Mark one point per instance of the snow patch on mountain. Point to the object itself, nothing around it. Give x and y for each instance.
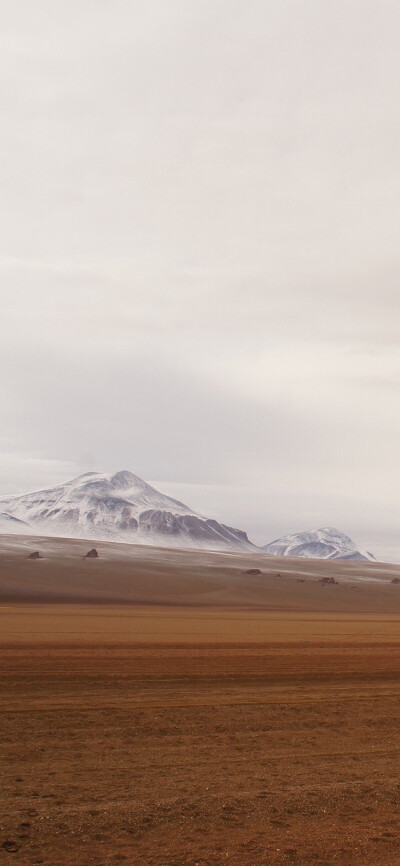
(11, 525)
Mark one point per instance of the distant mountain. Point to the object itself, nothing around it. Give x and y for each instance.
(325, 543)
(121, 507)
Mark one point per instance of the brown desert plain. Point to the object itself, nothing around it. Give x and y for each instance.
(165, 708)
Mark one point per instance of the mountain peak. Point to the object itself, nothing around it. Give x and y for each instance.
(124, 478)
(332, 531)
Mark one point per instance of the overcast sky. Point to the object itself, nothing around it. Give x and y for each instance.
(200, 258)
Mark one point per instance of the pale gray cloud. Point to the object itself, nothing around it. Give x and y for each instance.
(199, 261)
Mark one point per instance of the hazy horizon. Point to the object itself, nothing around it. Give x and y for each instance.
(200, 256)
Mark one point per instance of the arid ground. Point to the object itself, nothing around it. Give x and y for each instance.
(169, 709)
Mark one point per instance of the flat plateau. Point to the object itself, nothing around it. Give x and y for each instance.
(175, 732)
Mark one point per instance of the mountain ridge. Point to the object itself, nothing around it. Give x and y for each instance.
(122, 507)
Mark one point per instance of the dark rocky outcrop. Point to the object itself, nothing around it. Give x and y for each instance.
(189, 528)
(35, 555)
(91, 554)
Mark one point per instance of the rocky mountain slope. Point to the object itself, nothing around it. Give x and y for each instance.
(121, 507)
(325, 543)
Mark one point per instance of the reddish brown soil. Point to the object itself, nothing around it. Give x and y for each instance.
(281, 751)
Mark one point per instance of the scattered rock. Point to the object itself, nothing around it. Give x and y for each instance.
(10, 846)
(35, 555)
(91, 554)
(395, 580)
(253, 571)
(326, 580)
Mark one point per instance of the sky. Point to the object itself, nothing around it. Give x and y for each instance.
(199, 255)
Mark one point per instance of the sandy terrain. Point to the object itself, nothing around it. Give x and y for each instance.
(182, 734)
(136, 574)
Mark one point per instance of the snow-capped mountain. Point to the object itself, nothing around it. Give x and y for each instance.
(121, 507)
(325, 543)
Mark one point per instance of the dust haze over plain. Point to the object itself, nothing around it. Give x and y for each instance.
(200, 261)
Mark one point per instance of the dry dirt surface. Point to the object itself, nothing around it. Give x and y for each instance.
(260, 729)
(137, 575)
(181, 752)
